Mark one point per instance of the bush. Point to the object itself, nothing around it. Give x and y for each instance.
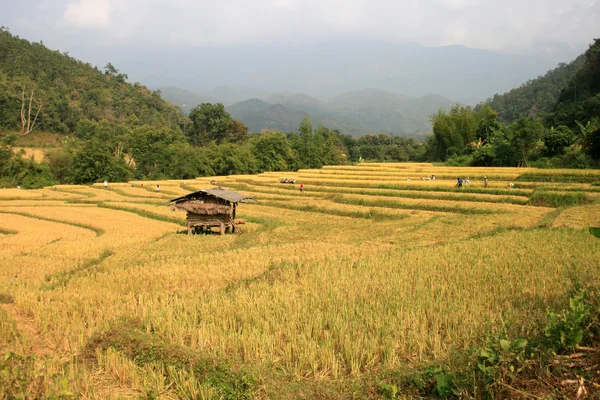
(459, 161)
(557, 199)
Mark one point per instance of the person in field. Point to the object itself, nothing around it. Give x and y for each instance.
(302, 187)
(433, 177)
(158, 188)
(511, 185)
(485, 182)
(106, 184)
(467, 181)
(459, 182)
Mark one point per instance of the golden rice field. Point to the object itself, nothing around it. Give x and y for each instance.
(369, 272)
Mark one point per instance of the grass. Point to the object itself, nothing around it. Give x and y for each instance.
(143, 213)
(364, 286)
(61, 278)
(98, 231)
(558, 199)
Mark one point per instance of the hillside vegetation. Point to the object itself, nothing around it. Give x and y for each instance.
(68, 92)
(557, 125)
(537, 96)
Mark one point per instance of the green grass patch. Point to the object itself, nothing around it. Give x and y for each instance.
(190, 188)
(98, 231)
(562, 178)
(131, 340)
(371, 214)
(63, 277)
(406, 206)
(409, 194)
(266, 224)
(396, 186)
(144, 213)
(542, 198)
(549, 218)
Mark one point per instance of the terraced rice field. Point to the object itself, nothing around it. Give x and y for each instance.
(324, 294)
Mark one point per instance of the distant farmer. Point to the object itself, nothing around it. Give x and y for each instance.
(302, 187)
(433, 177)
(459, 183)
(467, 181)
(106, 184)
(511, 185)
(485, 182)
(158, 188)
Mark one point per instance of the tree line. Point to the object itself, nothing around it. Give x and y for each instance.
(566, 134)
(119, 131)
(212, 143)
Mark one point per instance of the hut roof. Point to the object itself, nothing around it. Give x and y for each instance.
(218, 192)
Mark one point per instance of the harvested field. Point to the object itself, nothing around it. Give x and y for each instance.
(328, 293)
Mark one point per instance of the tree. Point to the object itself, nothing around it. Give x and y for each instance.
(96, 162)
(524, 136)
(209, 122)
(556, 140)
(487, 121)
(452, 131)
(27, 125)
(60, 162)
(273, 152)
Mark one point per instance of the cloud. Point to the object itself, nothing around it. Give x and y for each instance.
(88, 13)
(486, 24)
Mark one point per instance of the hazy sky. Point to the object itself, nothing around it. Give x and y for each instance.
(486, 24)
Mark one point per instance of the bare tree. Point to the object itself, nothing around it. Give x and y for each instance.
(27, 125)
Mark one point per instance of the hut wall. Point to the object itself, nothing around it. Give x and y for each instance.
(200, 219)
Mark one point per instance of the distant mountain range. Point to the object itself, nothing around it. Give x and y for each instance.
(355, 112)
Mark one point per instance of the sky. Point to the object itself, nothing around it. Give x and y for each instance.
(492, 25)
(139, 33)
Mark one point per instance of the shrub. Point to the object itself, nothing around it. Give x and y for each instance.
(557, 199)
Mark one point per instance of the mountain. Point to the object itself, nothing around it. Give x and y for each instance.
(329, 68)
(537, 96)
(258, 115)
(185, 99)
(579, 99)
(356, 113)
(66, 91)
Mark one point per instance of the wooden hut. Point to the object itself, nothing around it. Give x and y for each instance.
(209, 208)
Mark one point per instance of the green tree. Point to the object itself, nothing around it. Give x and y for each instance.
(60, 162)
(273, 152)
(452, 132)
(96, 162)
(556, 140)
(524, 137)
(230, 158)
(209, 122)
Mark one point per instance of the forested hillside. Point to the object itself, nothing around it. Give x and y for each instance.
(579, 100)
(62, 92)
(537, 96)
(565, 133)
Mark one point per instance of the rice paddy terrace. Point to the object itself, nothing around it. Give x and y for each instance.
(367, 274)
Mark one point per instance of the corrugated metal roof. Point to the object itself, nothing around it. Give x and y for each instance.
(218, 192)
